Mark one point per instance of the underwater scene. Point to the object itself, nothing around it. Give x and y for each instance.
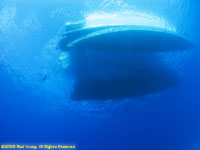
(100, 74)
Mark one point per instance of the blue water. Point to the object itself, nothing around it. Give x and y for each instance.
(35, 84)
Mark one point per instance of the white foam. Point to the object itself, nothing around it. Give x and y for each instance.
(127, 18)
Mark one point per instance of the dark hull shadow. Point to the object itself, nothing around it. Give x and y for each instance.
(105, 76)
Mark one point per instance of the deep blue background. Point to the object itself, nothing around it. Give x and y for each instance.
(34, 87)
